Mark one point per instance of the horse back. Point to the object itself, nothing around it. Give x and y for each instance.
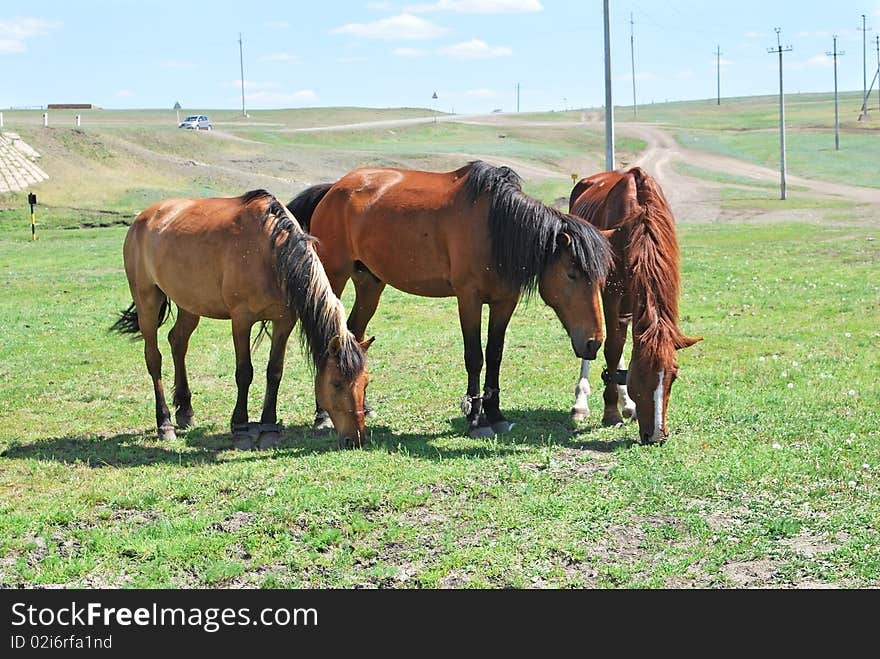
(210, 256)
(412, 229)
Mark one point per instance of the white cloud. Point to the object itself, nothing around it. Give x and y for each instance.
(409, 52)
(11, 46)
(474, 49)
(279, 57)
(125, 93)
(275, 99)
(380, 6)
(404, 26)
(684, 75)
(278, 25)
(350, 59)
(14, 33)
(481, 6)
(481, 93)
(817, 62)
(754, 35)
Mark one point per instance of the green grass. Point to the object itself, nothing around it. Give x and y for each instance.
(756, 473)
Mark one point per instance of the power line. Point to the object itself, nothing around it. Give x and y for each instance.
(718, 70)
(836, 53)
(779, 49)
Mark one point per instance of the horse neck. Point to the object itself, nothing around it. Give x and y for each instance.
(307, 291)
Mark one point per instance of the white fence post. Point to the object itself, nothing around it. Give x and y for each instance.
(77, 121)
(45, 118)
(1, 120)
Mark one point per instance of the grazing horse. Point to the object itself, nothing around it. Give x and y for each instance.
(471, 234)
(243, 259)
(643, 289)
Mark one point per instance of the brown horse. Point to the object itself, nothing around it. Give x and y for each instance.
(471, 234)
(642, 288)
(244, 259)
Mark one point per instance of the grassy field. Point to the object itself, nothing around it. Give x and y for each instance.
(770, 477)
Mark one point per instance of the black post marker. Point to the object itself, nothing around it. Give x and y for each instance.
(32, 200)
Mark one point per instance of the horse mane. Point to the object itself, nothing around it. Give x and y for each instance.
(654, 281)
(302, 206)
(524, 231)
(306, 287)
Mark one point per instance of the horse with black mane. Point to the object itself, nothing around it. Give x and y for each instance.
(246, 260)
(472, 234)
(642, 288)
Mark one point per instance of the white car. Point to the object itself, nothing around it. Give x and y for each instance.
(196, 122)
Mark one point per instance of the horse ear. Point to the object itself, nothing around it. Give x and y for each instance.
(366, 344)
(563, 240)
(608, 233)
(688, 341)
(334, 347)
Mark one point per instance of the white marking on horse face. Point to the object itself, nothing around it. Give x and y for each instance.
(658, 407)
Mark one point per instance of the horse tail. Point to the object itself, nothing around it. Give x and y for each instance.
(303, 205)
(127, 323)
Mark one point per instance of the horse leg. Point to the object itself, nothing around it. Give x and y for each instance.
(148, 305)
(499, 318)
(270, 431)
(178, 337)
(367, 291)
(470, 317)
(243, 434)
(615, 337)
(581, 408)
(627, 403)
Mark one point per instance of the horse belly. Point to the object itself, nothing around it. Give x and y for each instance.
(415, 269)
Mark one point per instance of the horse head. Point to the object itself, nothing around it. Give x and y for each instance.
(340, 387)
(652, 370)
(571, 284)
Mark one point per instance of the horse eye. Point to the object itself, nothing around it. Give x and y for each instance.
(337, 385)
(572, 274)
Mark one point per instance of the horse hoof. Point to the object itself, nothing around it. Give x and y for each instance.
(612, 421)
(243, 442)
(481, 432)
(167, 434)
(183, 420)
(501, 427)
(629, 412)
(579, 413)
(271, 439)
(322, 422)
(270, 435)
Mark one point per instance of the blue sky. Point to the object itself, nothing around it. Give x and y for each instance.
(472, 53)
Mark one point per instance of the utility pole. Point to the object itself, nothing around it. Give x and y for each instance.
(864, 30)
(718, 70)
(632, 58)
(835, 53)
(241, 62)
(779, 49)
(517, 97)
(877, 44)
(609, 107)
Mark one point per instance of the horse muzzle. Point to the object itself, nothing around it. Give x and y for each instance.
(588, 349)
